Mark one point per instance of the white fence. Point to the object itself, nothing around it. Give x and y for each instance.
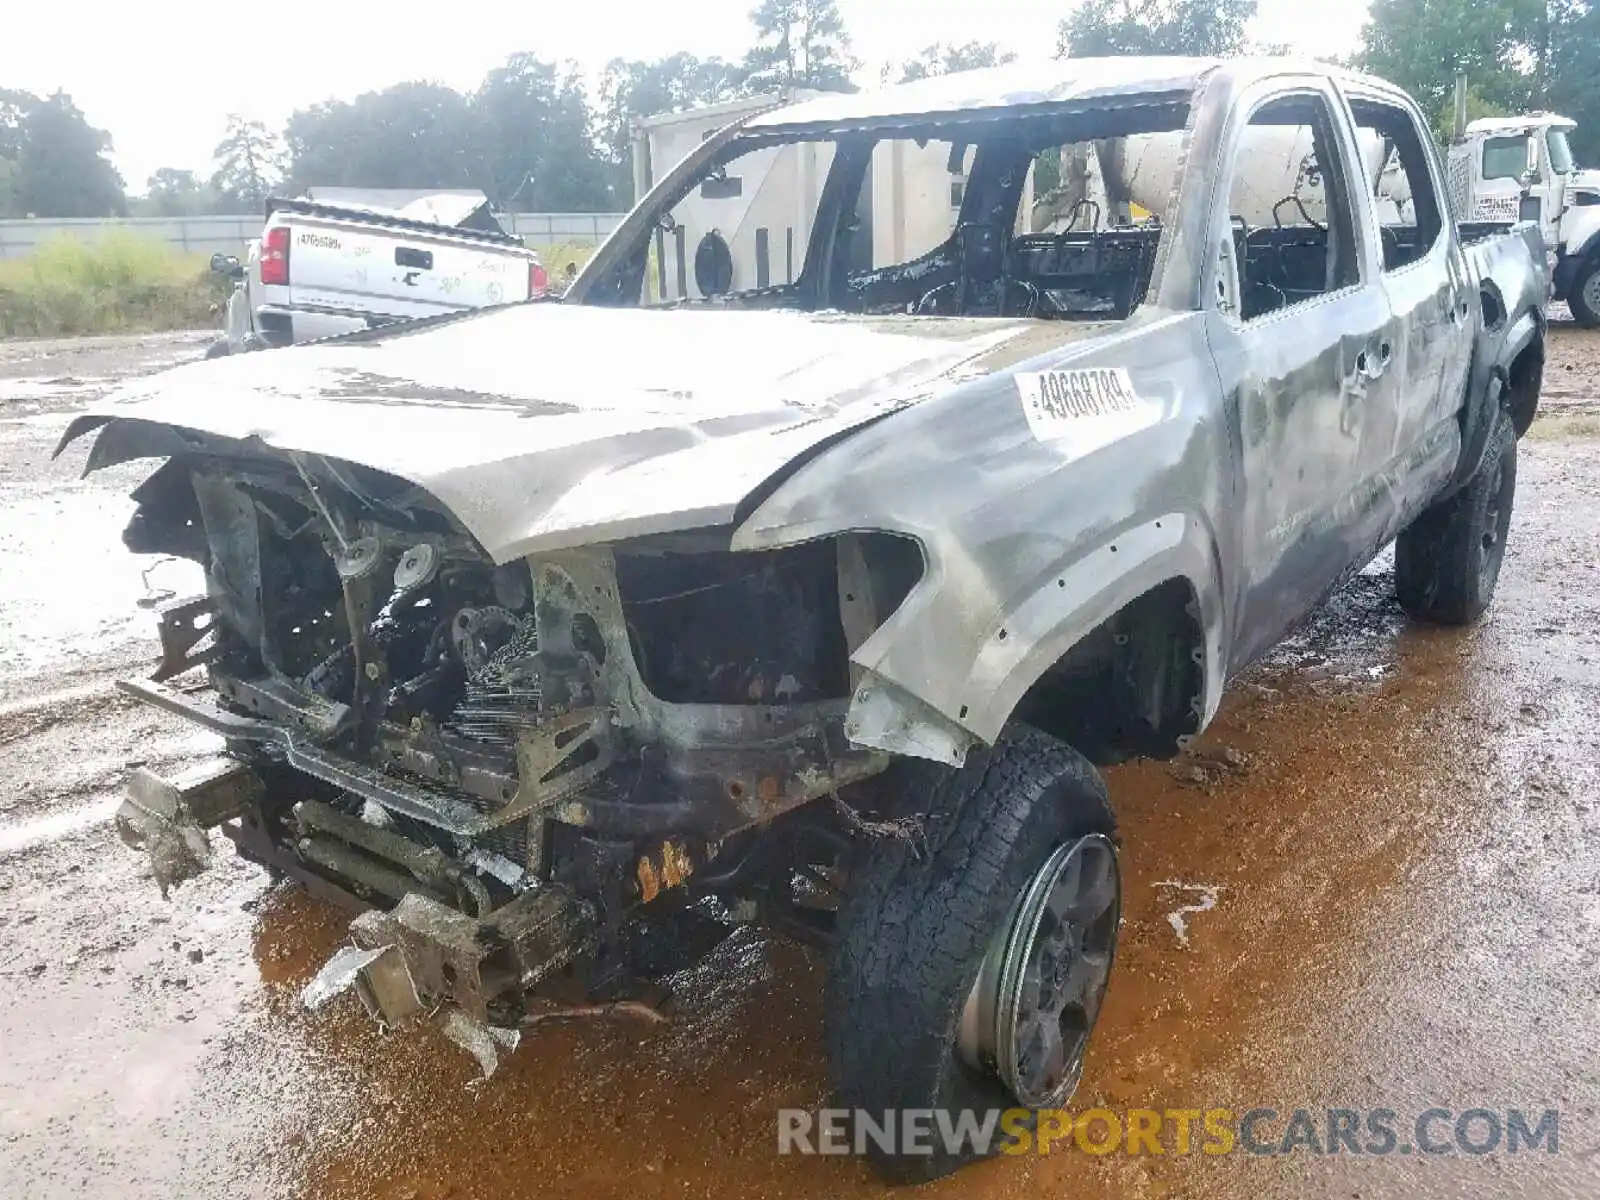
(558, 229)
(207, 235)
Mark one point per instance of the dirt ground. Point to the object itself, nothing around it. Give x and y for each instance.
(1384, 864)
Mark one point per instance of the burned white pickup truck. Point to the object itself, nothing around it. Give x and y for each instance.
(817, 602)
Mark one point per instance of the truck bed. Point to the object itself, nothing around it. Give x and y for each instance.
(315, 208)
(1499, 255)
(343, 268)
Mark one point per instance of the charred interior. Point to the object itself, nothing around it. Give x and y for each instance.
(1018, 233)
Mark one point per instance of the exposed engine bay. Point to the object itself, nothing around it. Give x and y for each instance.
(510, 759)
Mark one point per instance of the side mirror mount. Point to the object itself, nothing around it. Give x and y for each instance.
(228, 265)
(1530, 174)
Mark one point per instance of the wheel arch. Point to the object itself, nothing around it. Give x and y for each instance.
(1139, 614)
(1507, 373)
(1525, 380)
(1134, 685)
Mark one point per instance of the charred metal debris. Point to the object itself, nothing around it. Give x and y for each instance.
(513, 764)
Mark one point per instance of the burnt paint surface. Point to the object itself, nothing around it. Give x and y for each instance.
(1259, 462)
(1278, 459)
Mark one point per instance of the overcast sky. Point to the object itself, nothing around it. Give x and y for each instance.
(162, 75)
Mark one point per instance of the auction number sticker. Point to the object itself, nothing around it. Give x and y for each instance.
(1059, 403)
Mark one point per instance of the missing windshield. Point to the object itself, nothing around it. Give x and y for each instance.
(1051, 215)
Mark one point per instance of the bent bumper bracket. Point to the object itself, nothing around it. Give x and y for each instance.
(168, 818)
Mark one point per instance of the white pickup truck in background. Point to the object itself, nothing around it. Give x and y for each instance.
(340, 260)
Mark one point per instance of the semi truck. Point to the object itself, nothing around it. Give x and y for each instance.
(1521, 168)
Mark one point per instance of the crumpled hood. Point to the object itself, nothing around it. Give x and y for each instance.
(547, 425)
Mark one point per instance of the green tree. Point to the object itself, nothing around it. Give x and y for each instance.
(1199, 27)
(535, 149)
(59, 166)
(248, 161)
(525, 138)
(632, 90)
(171, 192)
(944, 57)
(1421, 45)
(1572, 75)
(14, 106)
(411, 135)
(799, 44)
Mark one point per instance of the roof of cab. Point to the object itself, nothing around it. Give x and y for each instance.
(997, 87)
(1519, 124)
(1059, 81)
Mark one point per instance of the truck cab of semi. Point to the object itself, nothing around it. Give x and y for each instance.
(1521, 168)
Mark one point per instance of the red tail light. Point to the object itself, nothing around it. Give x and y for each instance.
(538, 280)
(275, 255)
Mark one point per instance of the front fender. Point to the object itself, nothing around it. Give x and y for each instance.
(1033, 533)
(1043, 626)
(1580, 231)
(1580, 248)
(912, 699)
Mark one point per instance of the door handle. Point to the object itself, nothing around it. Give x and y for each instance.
(419, 260)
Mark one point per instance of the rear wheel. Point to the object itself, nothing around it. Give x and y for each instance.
(1584, 298)
(971, 968)
(1447, 562)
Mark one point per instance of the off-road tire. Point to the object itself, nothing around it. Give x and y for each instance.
(919, 918)
(1584, 312)
(1446, 563)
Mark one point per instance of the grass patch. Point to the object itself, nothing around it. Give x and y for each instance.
(121, 282)
(117, 283)
(556, 255)
(1560, 427)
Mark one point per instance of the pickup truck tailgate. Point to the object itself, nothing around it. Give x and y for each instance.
(344, 264)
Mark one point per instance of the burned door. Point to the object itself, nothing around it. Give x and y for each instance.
(1297, 324)
(1409, 431)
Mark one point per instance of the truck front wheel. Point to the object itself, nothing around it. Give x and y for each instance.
(1447, 561)
(1584, 296)
(972, 961)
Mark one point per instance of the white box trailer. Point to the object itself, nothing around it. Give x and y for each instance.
(762, 209)
(1279, 181)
